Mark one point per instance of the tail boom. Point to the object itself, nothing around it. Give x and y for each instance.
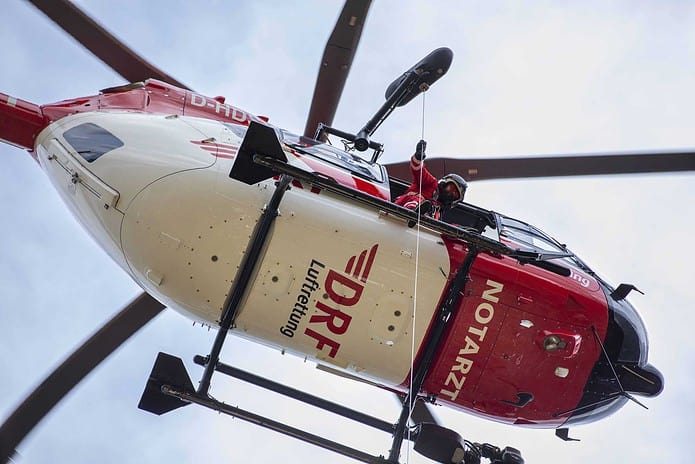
(20, 121)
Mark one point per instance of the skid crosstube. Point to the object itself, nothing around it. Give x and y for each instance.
(169, 387)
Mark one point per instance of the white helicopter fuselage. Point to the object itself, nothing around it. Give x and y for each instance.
(336, 282)
(184, 193)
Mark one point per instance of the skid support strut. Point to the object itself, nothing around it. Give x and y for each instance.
(242, 279)
(444, 316)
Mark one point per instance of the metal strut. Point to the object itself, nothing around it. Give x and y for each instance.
(299, 395)
(241, 281)
(271, 424)
(445, 314)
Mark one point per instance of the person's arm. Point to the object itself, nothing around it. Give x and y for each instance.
(426, 181)
(423, 180)
(417, 163)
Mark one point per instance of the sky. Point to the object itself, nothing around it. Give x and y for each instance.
(537, 77)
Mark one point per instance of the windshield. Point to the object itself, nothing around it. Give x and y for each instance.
(529, 237)
(335, 156)
(627, 334)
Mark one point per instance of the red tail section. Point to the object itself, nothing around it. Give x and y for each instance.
(20, 121)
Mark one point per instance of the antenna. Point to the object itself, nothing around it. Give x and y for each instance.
(615, 373)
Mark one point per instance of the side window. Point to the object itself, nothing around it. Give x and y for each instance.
(237, 129)
(91, 141)
(335, 156)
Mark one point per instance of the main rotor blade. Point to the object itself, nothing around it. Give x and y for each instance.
(101, 43)
(73, 370)
(553, 166)
(335, 64)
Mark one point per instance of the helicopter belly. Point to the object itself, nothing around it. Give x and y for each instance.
(184, 243)
(334, 282)
(337, 283)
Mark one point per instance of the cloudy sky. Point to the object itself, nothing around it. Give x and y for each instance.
(527, 77)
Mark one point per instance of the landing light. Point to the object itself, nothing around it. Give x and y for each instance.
(553, 342)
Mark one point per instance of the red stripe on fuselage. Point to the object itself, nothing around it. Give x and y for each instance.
(217, 149)
(349, 265)
(358, 266)
(370, 261)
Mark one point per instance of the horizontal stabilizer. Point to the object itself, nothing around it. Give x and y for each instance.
(167, 370)
(260, 139)
(20, 121)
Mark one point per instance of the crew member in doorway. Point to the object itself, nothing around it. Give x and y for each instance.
(426, 194)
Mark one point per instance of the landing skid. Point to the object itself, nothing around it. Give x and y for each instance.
(169, 387)
(182, 393)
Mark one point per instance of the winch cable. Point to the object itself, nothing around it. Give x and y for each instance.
(411, 394)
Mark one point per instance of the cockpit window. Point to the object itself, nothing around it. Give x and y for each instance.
(91, 141)
(629, 332)
(335, 156)
(531, 238)
(525, 234)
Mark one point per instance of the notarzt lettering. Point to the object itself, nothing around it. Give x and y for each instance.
(484, 313)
